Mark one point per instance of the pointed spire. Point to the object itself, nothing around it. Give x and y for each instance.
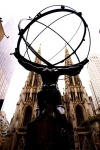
(37, 60)
(69, 60)
(66, 50)
(39, 50)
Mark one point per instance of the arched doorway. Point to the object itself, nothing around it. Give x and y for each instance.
(79, 115)
(27, 116)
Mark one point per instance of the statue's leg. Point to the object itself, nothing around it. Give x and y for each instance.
(48, 130)
(48, 98)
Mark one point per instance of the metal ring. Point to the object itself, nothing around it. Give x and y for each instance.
(61, 8)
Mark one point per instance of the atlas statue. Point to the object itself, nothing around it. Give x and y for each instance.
(49, 97)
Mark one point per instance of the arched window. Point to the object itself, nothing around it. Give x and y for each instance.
(27, 116)
(79, 115)
(72, 95)
(79, 94)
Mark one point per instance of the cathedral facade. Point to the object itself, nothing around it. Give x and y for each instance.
(77, 105)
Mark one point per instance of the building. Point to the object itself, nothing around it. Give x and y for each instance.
(1, 103)
(2, 34)
(1, 30)
(94, 73)
(78, 108)
(8, 40)
(3, 128)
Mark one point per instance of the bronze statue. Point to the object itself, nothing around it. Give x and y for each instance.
(50, 130)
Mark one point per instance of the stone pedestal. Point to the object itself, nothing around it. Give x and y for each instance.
(45, 133)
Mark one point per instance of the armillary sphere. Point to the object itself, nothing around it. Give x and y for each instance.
(47, 18)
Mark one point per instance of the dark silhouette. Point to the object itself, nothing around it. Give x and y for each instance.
(50, 74)
(50, 105)
(50, 93)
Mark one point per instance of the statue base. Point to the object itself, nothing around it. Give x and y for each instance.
(45, 133)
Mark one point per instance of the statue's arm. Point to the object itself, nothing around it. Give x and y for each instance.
(31, 66)
(73, 70)
(28, 65)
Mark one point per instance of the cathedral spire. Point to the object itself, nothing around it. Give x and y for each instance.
(37, 60)
(69, 60)
(39, 50)
(66, 50)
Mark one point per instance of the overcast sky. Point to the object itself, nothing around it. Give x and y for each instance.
(20, 9)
